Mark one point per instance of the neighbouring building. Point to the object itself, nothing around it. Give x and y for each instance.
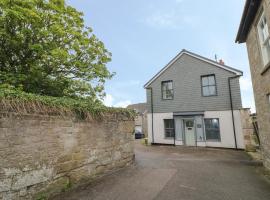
(141, 118)
(254, 31)
(195, 101)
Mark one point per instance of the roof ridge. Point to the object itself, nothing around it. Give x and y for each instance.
(213, 61)
(184, 51)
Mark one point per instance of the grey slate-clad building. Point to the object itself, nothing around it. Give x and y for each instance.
(189, 103)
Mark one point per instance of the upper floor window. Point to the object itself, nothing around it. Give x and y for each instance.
(167, 89)
(209, 87)
(264, 38)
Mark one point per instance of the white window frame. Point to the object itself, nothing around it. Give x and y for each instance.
(167, 93)
(264, 38)
(208, 85)
(218, 139)
(170, 129)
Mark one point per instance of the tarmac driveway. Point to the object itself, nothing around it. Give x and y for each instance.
(165, 173)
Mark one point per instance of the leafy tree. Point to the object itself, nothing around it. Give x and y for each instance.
(46, 49)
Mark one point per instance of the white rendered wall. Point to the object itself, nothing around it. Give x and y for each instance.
(159, 136)
(226, 129)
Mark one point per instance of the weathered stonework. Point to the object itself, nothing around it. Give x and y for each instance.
(44, 155)
(261, 83)
(248, 130)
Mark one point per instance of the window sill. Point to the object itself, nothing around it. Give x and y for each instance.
(166, 99)
(210, 95)
(266, 68)
(169, 138)
(213, 140)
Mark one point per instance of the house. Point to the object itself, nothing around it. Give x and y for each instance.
(254, 30)
(141, 118)
(195, 101)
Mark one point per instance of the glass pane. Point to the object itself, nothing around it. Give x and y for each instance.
(207, 123)
(164, 96)
(169, 123)
(212, 134)
(205, 91)
(166, 123)
(169, 85)
(212, 129)
(169, 133)
(169, 94)
(164, 86)
(205, 81)
(189, 123)
(212, 90)
(211, 80)
(215, 123)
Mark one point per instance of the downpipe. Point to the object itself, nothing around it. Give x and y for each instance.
(231, 102)
(152, 115)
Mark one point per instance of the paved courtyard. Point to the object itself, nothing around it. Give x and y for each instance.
(166, 172)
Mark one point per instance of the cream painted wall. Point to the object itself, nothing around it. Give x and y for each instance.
(159, 136)
(226, 129)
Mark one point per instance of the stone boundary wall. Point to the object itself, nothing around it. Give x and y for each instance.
(45, 155)
(248, 130)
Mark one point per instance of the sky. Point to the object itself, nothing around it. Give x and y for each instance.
(143, 36)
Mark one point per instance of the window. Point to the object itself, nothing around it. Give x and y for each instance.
(264, 38)
(212, 129)
(167, 90)
(169, 128)
(209, 87)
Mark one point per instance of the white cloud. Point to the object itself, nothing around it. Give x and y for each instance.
(162, 20)
(247, 94)
(246, 84)
(122, 104)
(170, 19)
(179, 1)
(109, 101)
(249, 103)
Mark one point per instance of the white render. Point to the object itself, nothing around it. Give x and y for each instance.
(159, 136)
(226, 129)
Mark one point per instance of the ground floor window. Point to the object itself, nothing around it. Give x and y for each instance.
(212, 129)
(169, 128)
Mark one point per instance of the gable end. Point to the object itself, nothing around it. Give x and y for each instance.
(227, 68)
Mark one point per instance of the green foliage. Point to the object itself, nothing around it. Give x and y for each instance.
(46, 49)
(41, 197)
(26, 103)
(67, 186)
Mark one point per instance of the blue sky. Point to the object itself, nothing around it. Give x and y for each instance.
(143, 36)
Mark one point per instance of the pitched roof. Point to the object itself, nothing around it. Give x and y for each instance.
(139, 107)
(225, 67)
(249, 13)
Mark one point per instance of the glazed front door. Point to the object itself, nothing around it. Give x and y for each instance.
(189, 132)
